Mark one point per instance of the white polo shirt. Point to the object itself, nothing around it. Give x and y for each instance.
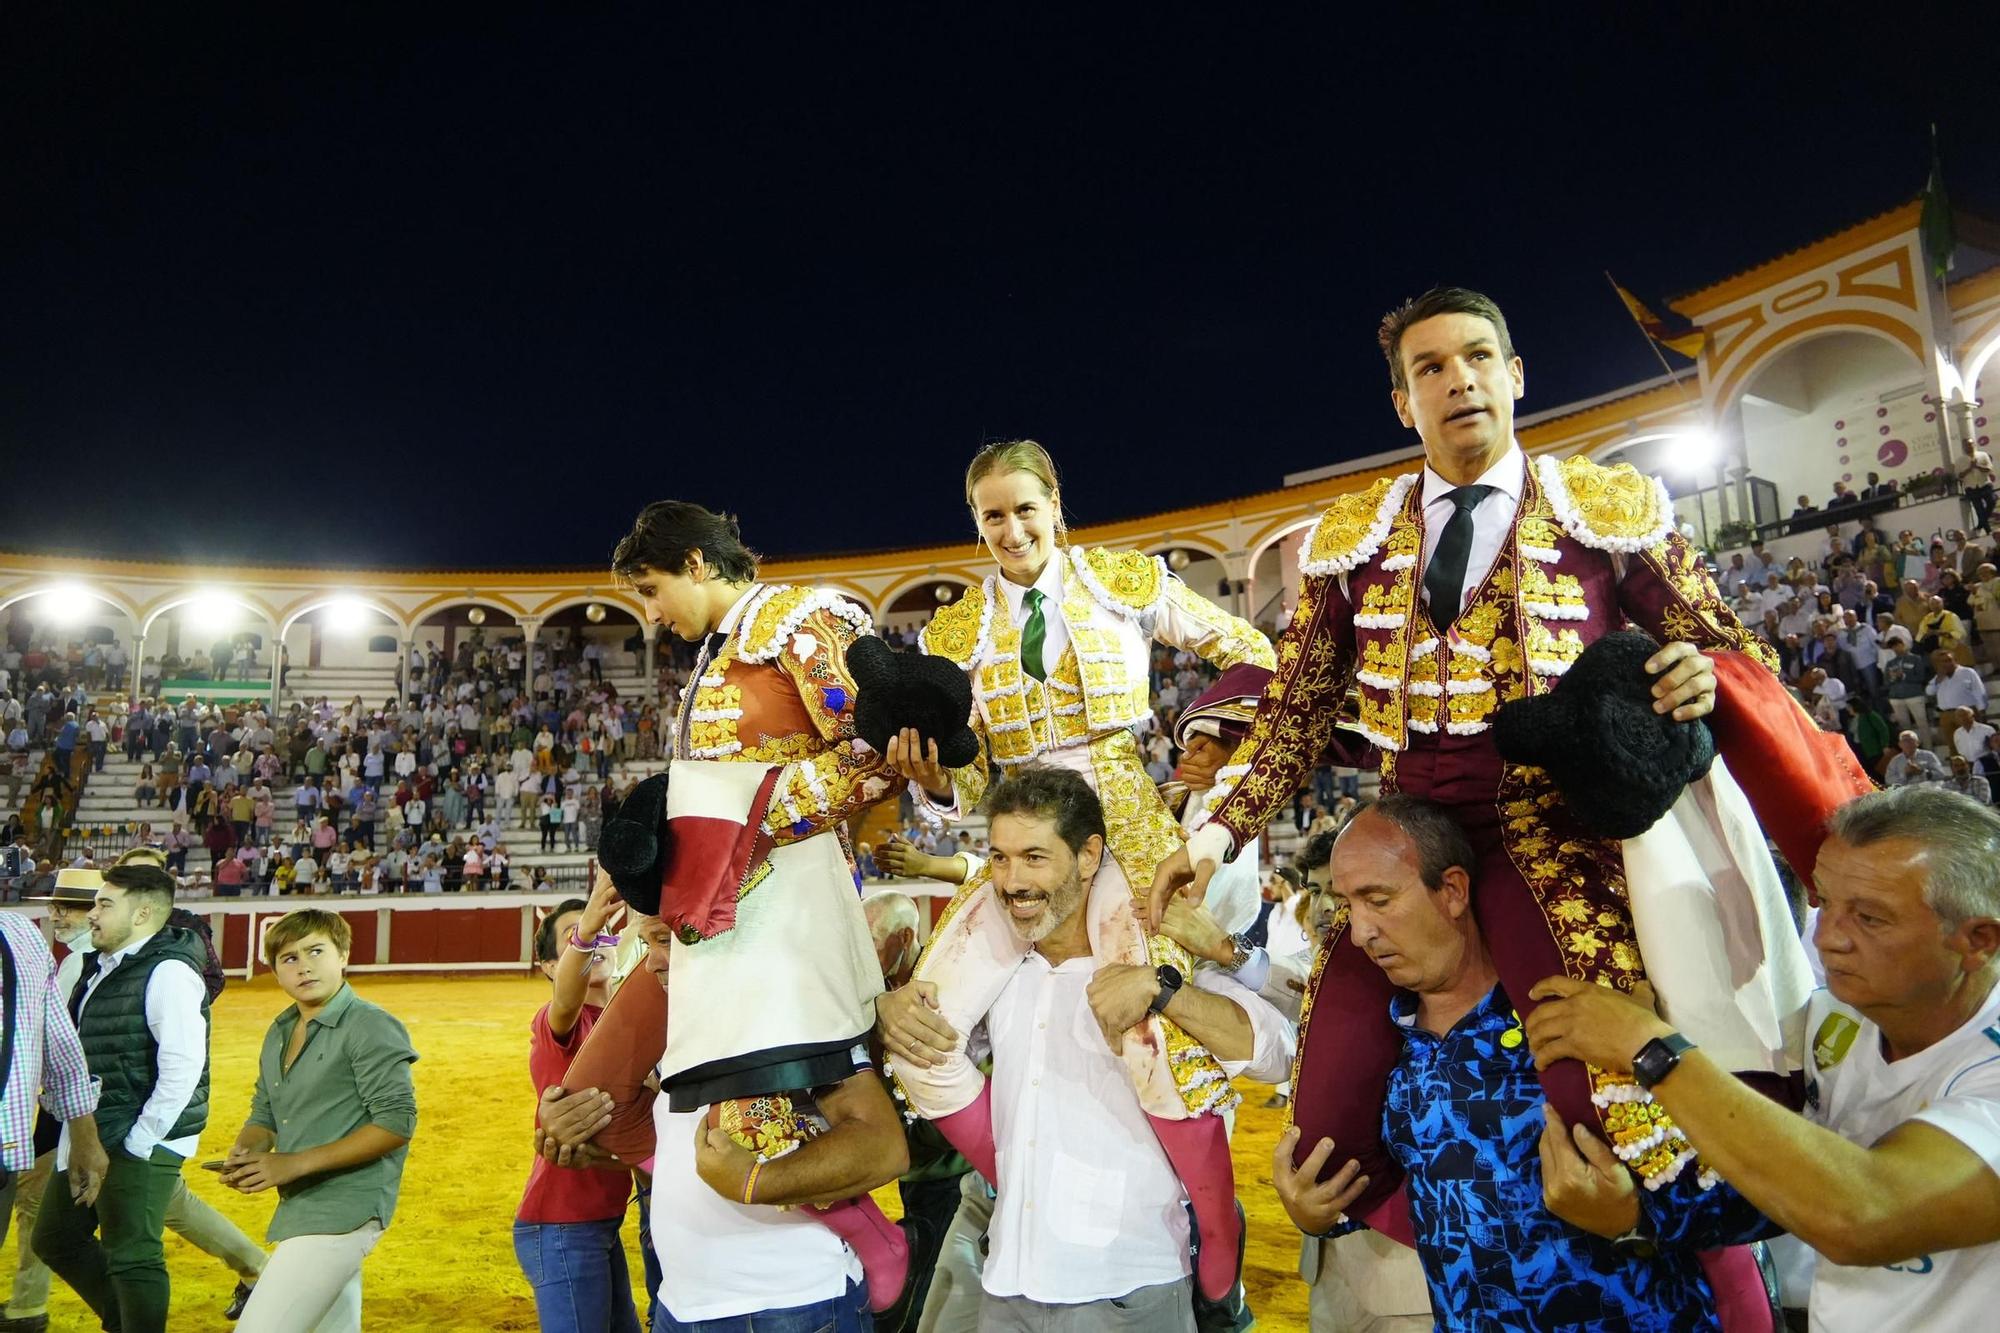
(1953, 1085)
(720, 1259)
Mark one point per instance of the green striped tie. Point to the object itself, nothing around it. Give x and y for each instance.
(1032, 634)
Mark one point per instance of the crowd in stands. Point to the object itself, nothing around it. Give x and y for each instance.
(408, 796)
(1889, 642)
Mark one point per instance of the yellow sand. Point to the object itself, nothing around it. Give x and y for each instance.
(447, 1261)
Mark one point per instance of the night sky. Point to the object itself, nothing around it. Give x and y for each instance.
(412, 287)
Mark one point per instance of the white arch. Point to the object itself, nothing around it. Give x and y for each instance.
(131, 613)
(300, 613)
(608, 600)
(896, 590)
(1975, 365)
(1741, 379)
(221, 594)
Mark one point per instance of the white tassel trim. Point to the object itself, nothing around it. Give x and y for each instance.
(714, 714)
(1558, 493)
(817, 599)
(1465, 728)
(1424, 649)
(1068, 710)
(1371, 541)
(1001, 728)
(1376, 679)
(1547, 555)
(1551, 611)
(1471, 650)
(1395, 564)
(1465, 687)
(1386, 742)
(1544, 666)
(1388, 620)
(716, 751)
(1428, 728)
(1430, 689)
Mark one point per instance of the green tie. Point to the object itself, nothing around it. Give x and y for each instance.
(1031, 636)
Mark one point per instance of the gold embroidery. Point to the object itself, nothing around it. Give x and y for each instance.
(1611, 502)
(1131, 577)
(953, 631)
(1347, 524)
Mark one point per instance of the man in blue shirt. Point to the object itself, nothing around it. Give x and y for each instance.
(1466, 1120)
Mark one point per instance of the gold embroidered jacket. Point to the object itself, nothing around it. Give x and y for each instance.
(1116, 605)
(779, 692)
(1590, 549)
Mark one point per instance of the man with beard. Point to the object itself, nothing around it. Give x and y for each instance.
(1076, 1239)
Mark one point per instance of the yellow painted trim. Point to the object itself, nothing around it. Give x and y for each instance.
(1797, 263)
(457, 597)
(1866, 321)
(35, 586)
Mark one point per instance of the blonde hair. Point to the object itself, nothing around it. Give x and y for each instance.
(1003, 457)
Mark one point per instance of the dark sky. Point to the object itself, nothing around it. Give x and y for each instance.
(318, 284)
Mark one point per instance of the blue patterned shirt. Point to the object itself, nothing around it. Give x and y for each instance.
(1464, 1121)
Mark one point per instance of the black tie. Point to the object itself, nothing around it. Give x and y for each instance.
(715, 645)
(1444, 581)
(92, 961)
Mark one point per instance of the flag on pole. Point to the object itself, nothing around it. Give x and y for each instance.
(1940, 239)
(1687, 340)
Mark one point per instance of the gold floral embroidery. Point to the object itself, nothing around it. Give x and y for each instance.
(1580, 883)
(1612, 502)
(953, 631)
(1131, 577)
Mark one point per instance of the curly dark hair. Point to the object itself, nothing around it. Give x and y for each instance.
(1047, 792)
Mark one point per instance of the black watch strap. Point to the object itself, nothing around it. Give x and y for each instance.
(1659, 1058)
(1170, 982)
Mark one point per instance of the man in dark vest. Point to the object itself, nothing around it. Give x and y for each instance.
(142, 1011)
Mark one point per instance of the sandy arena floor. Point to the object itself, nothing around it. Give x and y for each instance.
(447, 1261)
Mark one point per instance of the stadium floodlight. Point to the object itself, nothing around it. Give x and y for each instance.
(1696, 449)
(347, 613)
(213, 611)
(68, 603)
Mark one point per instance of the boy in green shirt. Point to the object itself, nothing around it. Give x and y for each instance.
(329, 1127)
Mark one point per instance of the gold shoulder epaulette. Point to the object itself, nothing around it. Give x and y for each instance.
(1123, 582)
(957, 630)
(774, 616)
(1353, 527)
(1610, 508)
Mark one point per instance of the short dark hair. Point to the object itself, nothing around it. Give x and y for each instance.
(668, 532)
(1047, 792)
(1437, 301)
(142, 879)
(546, 943)
(1440, 840)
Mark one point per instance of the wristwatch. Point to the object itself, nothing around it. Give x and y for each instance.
(1639, 1242)
(1659, 1058)
(1240, 951)
(1170, 981)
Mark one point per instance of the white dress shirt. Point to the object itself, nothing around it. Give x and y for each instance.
(1964, 688)
(174, 993)
(1492, 519)
(1049, 583)
(1089, 1206)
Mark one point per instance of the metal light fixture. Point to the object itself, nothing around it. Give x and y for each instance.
(594, 613)
(945, 593)
(1178, 559)
(476, 616)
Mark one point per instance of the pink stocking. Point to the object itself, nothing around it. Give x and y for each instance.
(883, 1249)
(1198, 1147)
(1740, 1300)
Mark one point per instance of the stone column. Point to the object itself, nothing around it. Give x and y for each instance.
(530, 626)
(137, 665)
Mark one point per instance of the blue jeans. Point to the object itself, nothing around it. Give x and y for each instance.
(846, 1313)
(579, 1275)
